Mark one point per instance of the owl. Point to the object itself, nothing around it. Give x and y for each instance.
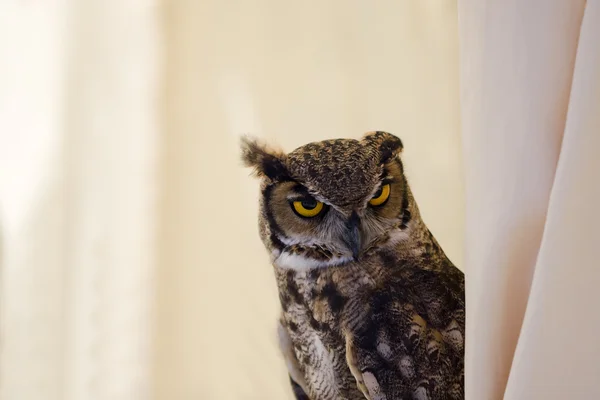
(371, 307)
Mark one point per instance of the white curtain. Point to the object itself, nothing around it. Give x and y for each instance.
(78, 165)
(130, 265)
(530, 98)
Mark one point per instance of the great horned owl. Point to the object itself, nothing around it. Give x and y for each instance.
(371, 306)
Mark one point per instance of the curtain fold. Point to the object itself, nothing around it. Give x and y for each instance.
(529, 97)
(78, 160)
(558, 353)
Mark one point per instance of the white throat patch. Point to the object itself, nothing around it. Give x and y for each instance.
(298, 262)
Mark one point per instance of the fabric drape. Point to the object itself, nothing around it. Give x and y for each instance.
(530, 102)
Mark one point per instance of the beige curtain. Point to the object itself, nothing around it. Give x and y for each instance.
(78, 166)
(530, 105)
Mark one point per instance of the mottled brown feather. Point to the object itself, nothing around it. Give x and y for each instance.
(389, 325)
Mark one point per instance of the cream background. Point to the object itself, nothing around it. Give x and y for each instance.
(131, 264)
(293, 73)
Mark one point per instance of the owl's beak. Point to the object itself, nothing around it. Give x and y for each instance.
(352, 235)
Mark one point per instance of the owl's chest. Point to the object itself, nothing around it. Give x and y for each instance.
(316, 320)
(321, 353)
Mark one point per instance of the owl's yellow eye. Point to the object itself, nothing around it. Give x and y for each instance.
(308, 207)
(381, 195)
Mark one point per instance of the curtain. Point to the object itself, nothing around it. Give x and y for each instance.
(78, 165)
(530, 107)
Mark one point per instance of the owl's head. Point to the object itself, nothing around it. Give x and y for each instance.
(331, 202)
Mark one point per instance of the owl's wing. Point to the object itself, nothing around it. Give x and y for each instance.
(409, 344)
(295, 372)
(365, 380)
(299, 393)
(395, 376)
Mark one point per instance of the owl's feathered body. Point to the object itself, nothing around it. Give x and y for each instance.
(371, 306)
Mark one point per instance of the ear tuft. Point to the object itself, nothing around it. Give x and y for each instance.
(265, 161)
(389, 146)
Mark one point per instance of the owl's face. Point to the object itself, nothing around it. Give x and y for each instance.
(329, 202)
